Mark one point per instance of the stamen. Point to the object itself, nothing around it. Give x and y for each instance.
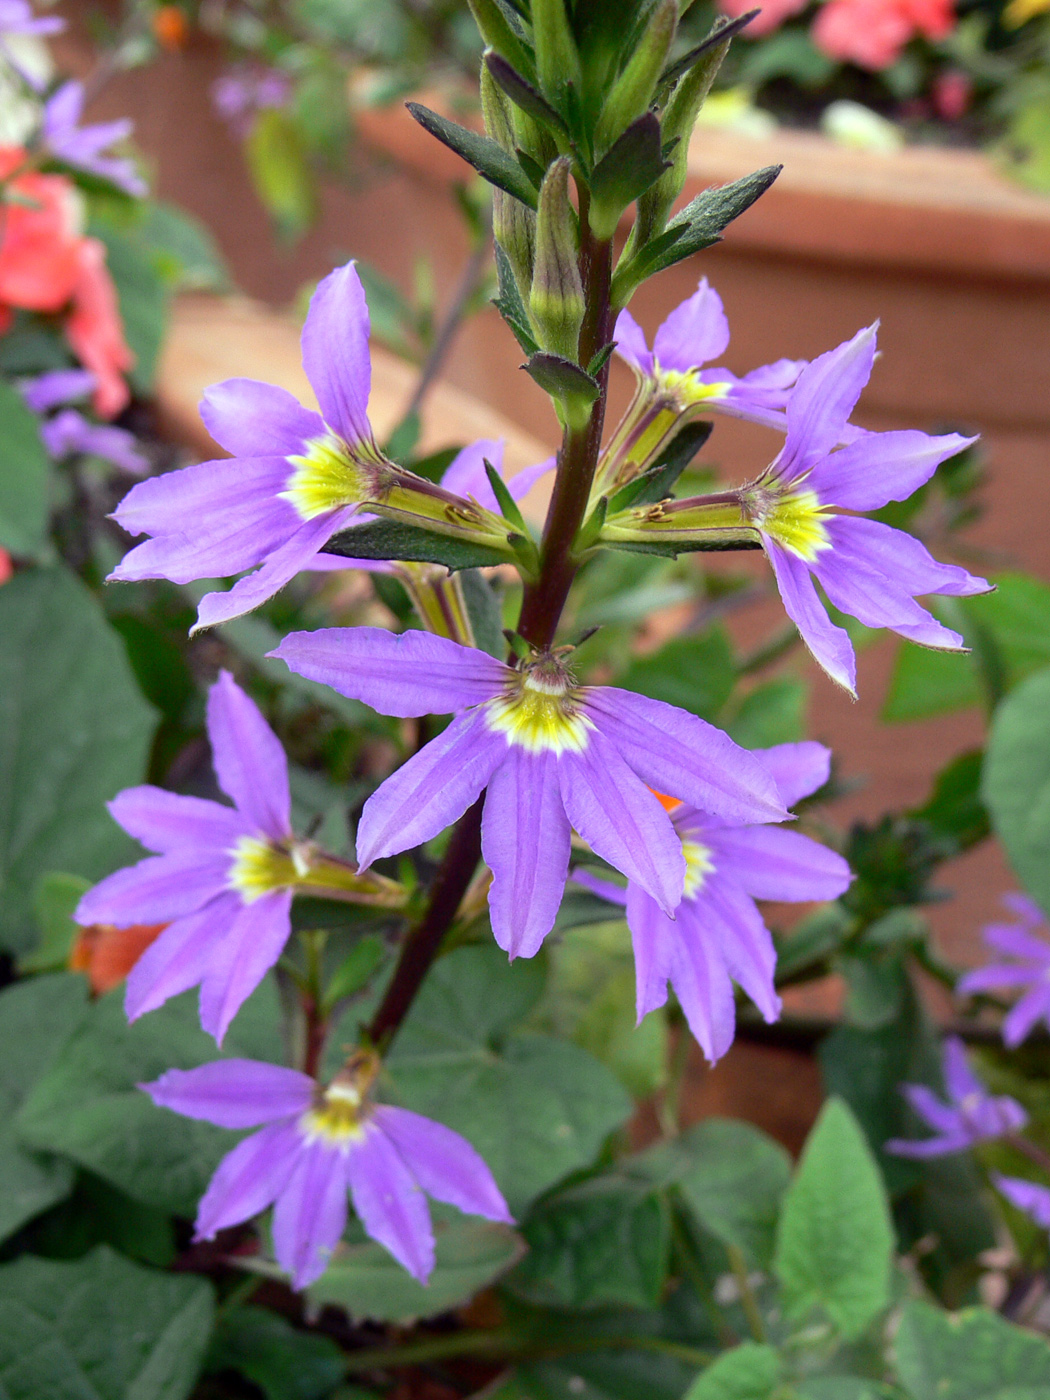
(698, 865)
(793, 518)
(326, 477)
(539, 711)
(339, 1112)
(259, 867)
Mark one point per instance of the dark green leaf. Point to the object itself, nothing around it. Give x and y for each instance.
(101, 1328)
(354, 972)
(37, 1017)
(24, 477)
(813, 940)
(488, 159)
(523, 94)
(1016, 782)
(561, 377)
(834, 1239)
(770, 714)
(695, 673)
(971, 1355)
(954, 809)
(88, 1106)
(750, 1371)
(631, 165)
(659, 481)
(483, 608)
(366, 1280)
(876, 986)
(54, 900)
(74, 730)
(285, 1363)
(144, 296)
(391, 539)
(723, 31)
(510, 305)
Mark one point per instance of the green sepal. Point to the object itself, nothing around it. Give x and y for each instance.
(591, 528)
(510, 305)
(391, 539)
(660, 479)
(523, 94)
(532, 168)
(561, 378)
(632, 164)
(671, 549)
(488, 158)
(600, 359)
(499, 34)
(720, 34)
(507, 504)
(701, 223)
(526, 555)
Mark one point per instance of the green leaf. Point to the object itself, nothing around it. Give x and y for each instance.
(390, 539)
(37, 1017)
(486, 619)
(954, 808)
(101, 1328)
(971, 1355)
(926, 683)
(876, 985)
(510, 305)
(74, 730)
(25, 473)
(731, 1176)
(812, 940)
(660, 479)
(834, 1240)
(284, 1362)
(523, 94)
(560, 377)
(184, 248)
(750, 1371)
(842, 1388)
(280, 171)
(535, 1108)
(770, 714)
(1016, 783)
(356, 969)
(722, 31)
(1018, 616)
(144, 296)
(695, 673)
(603, 1243)
(488, 159)
(631, 165)
(87, 1105)
(369, 1283)
(54, 900)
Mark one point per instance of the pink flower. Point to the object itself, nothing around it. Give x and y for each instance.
(95, 331)
(771, 16)
(872, 33)
(952, 94)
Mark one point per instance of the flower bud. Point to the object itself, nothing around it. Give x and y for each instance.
(496, 111)
(635, 88)
(556, 298)
(557, 57)
(514, 229)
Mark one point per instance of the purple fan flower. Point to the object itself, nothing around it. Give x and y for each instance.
(70, 432)
(223, 879)
(317, 1144)
(16, 17)
(83, 146)
(1028, 965)
(866, 568)
(554, 757)
(695, 333)
(294, 481)
(56, 387)
(717, 935)
(239, 94)
(971, 1114)
(1033, 1200)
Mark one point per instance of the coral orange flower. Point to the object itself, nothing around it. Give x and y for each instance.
(108, 954)
(95, 331)
(39, 237)
(171, 27)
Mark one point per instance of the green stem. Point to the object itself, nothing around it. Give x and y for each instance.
(748, 1302)
(503, 1342)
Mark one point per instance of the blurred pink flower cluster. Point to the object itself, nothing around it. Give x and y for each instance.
(869, 33)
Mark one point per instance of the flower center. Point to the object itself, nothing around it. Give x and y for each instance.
(687, 386)
(259, 866)
(795, 520)
(339, 1111)
(326, 477)
(540, 711)
(698, 865)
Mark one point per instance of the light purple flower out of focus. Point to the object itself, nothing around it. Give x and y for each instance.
(717, 935)
(56, 387)
(315, 1146)
(695, 333)
(70, 432)
(17, 17)
(82, 146)
(1027, 964)
(1027, 1196)
(971, 1114)
(866, 568)
(242, 92)
(296, 477)
(222, 878)
(554, 757)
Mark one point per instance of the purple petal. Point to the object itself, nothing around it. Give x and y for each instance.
(797, 769)
(525, 842)
(310, 1215)
(297, 553)
(876, 599)
(829, 644)
(938, 1115)
(684, 757)
(604, 889)
(702, 986)
(1026, 909)
(248, 759)
(250, 947)
(252, 419)
(654, 938)
(58, 386)
(335, 354)
(900, 556)
(772, 864)
(70, 432)
(959, 1079)
(1027, 1196)
(1017, 943)
(1034, 1006)
(993, 975)
(745, 943)
(156, 890)
(621, 820)
(233, 1093)
(65, 106)
(443, 1163)
(882, 467)
(695, 333)
(466, 476)
(522, 482)
(249, 1179)
(180, 957)
(164, 821)
(928, 1147)
(822, 401)
(390, 1203)
(406, 674)
(630, 343)
(431, 791)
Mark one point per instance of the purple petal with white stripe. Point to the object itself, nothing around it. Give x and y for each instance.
(745, 943)
(443, 1163)
(249, 1178)
(249, 761)
(252, 419)
(702, 985)
(234, 1093)
(390, 1204)
(156, 890)
(695, 332)
(829, 644)
(164, 821)
(310, 1214)
(248, 949)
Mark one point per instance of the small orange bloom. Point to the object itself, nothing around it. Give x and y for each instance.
(108, 954)
(667, 803)
(171, 27)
